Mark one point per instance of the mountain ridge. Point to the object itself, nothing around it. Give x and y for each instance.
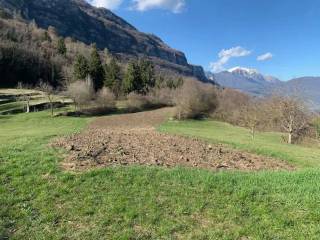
(252, 82)
(80, 20)
(246, 80)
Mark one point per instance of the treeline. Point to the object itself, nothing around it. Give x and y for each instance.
(22, 64)
(277, 113)
(30, 55)
(288, 114)
(139, 76)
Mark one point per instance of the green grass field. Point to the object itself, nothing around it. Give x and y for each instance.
(14, 103)
(40, 201)
(268, 144)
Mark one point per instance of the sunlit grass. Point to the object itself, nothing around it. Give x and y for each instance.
(18, 103)
(269, 144)
(40, 201)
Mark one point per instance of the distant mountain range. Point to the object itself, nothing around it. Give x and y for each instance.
(252, 82)
(81, 21)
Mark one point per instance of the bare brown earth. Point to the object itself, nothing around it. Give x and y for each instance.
(131, 139)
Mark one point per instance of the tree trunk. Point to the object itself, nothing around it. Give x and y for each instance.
(253, 133)
(28, 107)
(290, 132)
(179, 115)
(290, 138)
(51, 106)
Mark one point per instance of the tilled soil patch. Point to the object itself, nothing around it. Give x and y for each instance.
(140, 120)
(98, 147)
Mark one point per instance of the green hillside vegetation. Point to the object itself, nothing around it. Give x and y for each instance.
(86, 145)
(40, 201)
(30, 54)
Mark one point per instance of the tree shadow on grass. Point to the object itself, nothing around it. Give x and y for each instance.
(100, 112)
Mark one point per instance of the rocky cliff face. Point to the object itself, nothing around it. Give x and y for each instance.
(83, 22)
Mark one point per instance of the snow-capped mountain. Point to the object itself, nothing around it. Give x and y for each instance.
(254, 83)
(243, 71)
(246, 80)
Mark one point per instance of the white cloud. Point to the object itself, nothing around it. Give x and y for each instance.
(265, 57)
(109, 4)
(225, 55)
(176, 6)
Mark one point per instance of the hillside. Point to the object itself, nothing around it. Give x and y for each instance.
(305, 87)
(81, 21)
(252, 82)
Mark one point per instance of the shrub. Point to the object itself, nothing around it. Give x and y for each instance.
(105, 98)
(195, 100)
(231, 105)
(162, 97)
(81, 93)
(137, 102)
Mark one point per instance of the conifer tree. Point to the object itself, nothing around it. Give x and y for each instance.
(95, 68)
(140, 77)
(112, 77)
(61, 47)
(130, 78)
(80, 68)
(147, 75)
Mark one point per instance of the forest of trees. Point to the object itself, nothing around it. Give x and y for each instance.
(31, 55)
(139, 76)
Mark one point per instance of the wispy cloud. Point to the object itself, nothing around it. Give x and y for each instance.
(109, 4)
(175, 6)
(265, 57)
(225, 55)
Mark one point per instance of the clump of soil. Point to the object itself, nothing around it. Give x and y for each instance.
(130, 139)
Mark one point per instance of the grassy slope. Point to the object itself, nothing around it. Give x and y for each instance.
(269, 144)
(39, 201)
(38, 98)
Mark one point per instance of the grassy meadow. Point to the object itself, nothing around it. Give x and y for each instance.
(10, 100)
(41, 201)
(265, 143)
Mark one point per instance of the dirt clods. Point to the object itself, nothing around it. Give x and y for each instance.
(132, 140)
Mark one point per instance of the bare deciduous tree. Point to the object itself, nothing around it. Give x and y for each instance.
(81, 93)
(195, 99)
(294, 116)
(230, 107)
(25, 97)
(252, 116)
(48, 90)
(105, 98)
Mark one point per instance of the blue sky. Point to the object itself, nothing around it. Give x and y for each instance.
(220, 34)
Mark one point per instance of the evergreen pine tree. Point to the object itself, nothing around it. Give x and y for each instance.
(112, 77)
(131, 78)
(147, 74)
(140, 77)
(80, 68)
(95, 68)
(61, 47)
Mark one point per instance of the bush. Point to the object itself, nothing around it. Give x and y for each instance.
(231, 105)
(195, 100)
(81, 93)
(137, 102)
(162, 97)
(105, 98)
